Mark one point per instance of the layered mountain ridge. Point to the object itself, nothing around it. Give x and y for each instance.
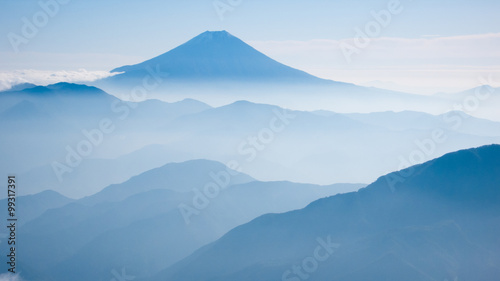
(439, 222)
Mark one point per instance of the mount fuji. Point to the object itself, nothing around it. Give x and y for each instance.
(217, 55)
(218, 68)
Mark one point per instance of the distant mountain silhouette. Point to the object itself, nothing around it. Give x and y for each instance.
(62, 98)
(33, 206)
(189, 129)
(23, 111)
(408, 120)
(218, 68)
(55, 116)
(21, 86)
(42, 95)
(137, 224)
(482, 90)
(481, 101)
(215, 55)
(172, 176)
(434, 221)
(63, 88)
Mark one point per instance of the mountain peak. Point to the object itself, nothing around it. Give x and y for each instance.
(20, 87)
(408, 228)
(176, 177)
(64, 88)
(215, 34)
(466, 176)
(213, 42)
(215, 55)
(207, 37)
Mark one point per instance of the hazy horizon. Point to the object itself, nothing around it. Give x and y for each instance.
(315, 46)
(248, 140)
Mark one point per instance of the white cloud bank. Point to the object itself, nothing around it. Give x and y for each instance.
(417, 65)
(46, 77)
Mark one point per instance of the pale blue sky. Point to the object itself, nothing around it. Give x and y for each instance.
(101, 35)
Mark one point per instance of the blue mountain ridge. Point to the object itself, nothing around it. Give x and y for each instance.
(216, 55)
(439, 220)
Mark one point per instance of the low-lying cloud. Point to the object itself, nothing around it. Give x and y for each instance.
(46, 77)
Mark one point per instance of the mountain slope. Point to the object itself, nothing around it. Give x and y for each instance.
(139, 224)
(21, 86)
(441, 221)
(173, 176)
(218, 68)
(334, 147)
(160, 240)
(33, 206)
(215, 55)
(407, 120)
(62, 116)
(22, 110)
